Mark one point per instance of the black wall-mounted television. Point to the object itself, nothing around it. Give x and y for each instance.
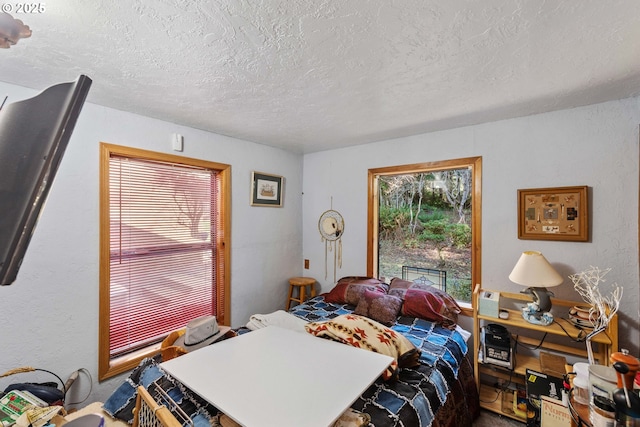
(34, 134)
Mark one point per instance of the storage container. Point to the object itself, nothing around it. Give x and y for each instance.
(602, 382)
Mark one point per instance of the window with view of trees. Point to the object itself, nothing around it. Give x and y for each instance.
(163, 257)
(424, 224)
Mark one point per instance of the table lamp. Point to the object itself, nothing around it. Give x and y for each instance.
(534, 271)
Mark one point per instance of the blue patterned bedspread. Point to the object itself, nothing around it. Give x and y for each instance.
(419, 394)
(440, 392)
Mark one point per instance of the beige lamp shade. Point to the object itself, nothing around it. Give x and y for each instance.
(533, 270)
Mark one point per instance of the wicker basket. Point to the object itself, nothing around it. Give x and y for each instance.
(149, 413)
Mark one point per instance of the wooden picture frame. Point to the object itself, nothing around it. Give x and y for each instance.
(266, 189)
(554, 214)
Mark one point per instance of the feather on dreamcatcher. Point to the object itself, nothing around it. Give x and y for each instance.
(331, 227)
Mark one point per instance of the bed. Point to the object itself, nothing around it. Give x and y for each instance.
(438, 389)
(440, 392)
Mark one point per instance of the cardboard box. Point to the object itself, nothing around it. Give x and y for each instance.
(489, 303)
(15, 403)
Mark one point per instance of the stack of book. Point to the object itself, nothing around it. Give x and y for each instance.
(545, 404)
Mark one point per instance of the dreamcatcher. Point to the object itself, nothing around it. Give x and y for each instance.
(331, 227)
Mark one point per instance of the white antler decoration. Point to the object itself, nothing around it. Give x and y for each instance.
(603, 308)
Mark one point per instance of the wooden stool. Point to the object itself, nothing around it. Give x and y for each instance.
(301, 283)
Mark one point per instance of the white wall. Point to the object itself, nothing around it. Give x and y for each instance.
(50, 314)
(595, 146)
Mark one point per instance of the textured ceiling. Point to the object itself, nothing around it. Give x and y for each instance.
(309, 75)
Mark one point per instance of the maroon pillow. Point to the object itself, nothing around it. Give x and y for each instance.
(348, 290)
(380, 307)
(426, 302)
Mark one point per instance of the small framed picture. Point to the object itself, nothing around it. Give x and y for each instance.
(266, 189)
(553, 214)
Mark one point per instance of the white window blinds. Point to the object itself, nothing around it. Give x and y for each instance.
(162, 269)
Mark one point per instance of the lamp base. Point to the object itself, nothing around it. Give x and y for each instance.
(532, 314)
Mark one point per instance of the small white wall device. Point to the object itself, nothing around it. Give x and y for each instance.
(177, 142)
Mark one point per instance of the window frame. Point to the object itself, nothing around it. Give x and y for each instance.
(475, 164)
(107, 366)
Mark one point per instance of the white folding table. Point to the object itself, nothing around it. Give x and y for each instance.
(275, 377)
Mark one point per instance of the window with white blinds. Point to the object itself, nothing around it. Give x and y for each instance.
(163, 226)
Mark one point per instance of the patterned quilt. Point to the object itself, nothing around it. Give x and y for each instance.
(440, 392)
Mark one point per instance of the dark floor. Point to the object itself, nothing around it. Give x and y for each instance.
(491, 419)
